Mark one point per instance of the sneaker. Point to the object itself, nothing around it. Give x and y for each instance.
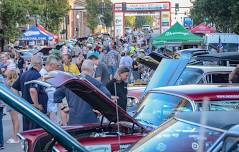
(12, 141)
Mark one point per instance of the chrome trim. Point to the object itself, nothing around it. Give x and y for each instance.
(137, 101)
(217, 145)
(193, 104)
(54, 149)
(45, 84)
(20, 136)
(201, 125)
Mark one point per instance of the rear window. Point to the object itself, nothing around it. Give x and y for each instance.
(231, 105)
(190, 76)
(217, 78)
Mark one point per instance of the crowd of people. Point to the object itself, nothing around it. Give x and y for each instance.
(107, 64)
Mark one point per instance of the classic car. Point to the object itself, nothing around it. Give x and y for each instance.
(181, 73)
(161, 103)
(193, 131)
(117, 133)
(55, 132)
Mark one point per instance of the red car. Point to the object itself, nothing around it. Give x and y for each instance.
(111, 134)
(161, 103)
(158, 106)
(182, 73)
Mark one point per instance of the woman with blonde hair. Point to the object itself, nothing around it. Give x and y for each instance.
(11, 76)
(118, 86)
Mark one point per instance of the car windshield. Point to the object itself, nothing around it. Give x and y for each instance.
(159, 107)
(178, 136)
(189, 76)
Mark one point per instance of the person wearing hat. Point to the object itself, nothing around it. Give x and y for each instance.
(101, 71)
(118, 86)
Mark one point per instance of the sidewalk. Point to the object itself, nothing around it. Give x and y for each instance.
(7, 130)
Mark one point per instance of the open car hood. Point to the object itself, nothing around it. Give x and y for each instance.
(44, 50)
(26, 109)
(92, 95)
(167, 73)
(169, 70)
(152, 60)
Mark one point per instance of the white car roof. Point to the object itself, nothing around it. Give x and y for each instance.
(208, 69)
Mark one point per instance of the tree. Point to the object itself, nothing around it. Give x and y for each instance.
(221, 13)
(107, 13)
(92, 13)
(22, 12)
(95, 9)
(12, 14)
(130, 21)
(142, 20)
(51, 12)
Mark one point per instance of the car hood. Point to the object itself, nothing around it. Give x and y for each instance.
(167, 73)
(22, 106)
(92, 95)
(152, 60)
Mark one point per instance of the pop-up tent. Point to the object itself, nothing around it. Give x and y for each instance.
(40, 27)
(34, 33)
(202, 29)
(177, 34)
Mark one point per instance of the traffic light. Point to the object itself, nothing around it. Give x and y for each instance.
(124, 6)
(176, 7)
(101, 7)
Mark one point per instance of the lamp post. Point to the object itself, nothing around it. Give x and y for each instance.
(77, 25)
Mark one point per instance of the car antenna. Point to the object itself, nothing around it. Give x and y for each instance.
(117, 114)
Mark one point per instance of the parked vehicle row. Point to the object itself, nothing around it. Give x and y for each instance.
(159, 106)
(174, 102)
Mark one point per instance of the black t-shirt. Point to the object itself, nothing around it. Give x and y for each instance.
(20, 63)
(121, 92)
(135, 64)
(31, 74)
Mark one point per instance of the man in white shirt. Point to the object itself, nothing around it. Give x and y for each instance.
(51, 65)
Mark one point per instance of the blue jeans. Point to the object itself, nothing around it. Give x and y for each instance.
(1, 128)
(112, 70)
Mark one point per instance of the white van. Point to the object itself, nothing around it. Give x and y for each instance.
(227, 42)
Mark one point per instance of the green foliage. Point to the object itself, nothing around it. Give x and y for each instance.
(108, 15)
(222, 13)
(138, 21)
(93, 8)
(50, 12)
(142, 20)
(13, 13)
(130, 21)
(92, 13)
(21, 12)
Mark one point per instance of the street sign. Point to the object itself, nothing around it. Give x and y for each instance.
(187, 22)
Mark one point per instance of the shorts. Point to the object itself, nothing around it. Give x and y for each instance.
(51, 106)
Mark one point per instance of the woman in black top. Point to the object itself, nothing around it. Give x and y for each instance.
(118, 86)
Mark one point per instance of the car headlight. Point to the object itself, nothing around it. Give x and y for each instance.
(23, 142)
